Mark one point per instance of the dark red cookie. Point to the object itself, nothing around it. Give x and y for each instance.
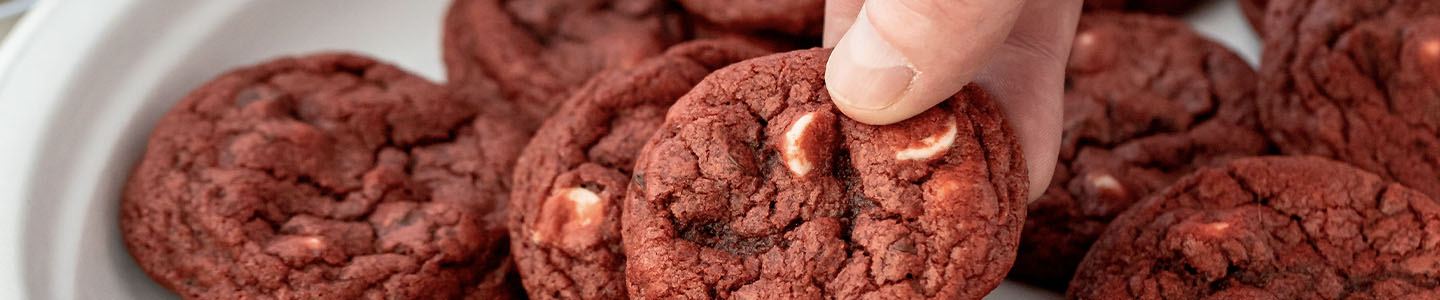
(1134, 122)
(795, 17)
(1254, 11)
(533, 52)
(757, 187)
(1358, 82)
(1270, 228)
(1172, 7)
(571, 179)
(325, 176)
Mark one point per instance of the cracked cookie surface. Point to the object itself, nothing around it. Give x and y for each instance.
(795, 17)
(1358, 82)
(329, 176)
(1254, 11)
(1134, 123)
(1270, 228)
(757, 187)
(570, 181)
(534, 52)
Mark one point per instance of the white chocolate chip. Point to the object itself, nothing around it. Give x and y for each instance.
(1431, 48)
(568, 210)
(794, 153)
(1084, 39)
(313, 243)
(1218, 226)
(931, 146)
(1105, 182)
(1105, 186)
(587, 205)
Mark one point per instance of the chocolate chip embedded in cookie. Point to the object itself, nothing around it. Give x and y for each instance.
(1356, 81)
(325, 176)
(1270, 228)
(1134, 122)
(533, 52)
(757, 187)
(571, 179)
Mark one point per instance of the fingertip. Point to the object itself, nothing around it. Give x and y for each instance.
(897, 60)
(905, 107)
(1040, 144)
(865, 75)
(870, 116)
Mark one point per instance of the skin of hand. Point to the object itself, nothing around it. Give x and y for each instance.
(894, 59)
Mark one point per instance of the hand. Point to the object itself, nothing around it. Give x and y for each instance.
(894, 59)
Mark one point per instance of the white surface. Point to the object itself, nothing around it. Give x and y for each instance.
(82, 82)
(1225, 23)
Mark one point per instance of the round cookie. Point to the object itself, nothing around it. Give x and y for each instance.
(324, 176)
(1134, 122)
(795, 17)
(1270, 228)
(571, 180)
(1171, 7)
(757, 187)
(1358, 82)
(533, 52)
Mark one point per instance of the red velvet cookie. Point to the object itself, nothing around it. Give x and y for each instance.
(533, 52)
(1134, 122)
(1172, 7)
(1254, 11)
(324, 176)
(1358, 82)
(795, 17)
(1270, 228)
(756, 186)
(572, 178)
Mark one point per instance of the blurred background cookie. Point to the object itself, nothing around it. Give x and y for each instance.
(1270, 228)
(1135, 120)
(1358, 82)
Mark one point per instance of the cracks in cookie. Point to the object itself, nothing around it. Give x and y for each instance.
(1225, 282)
(1240, 180)
(718, 236)
(849, 178)
(1372, 71)
(1351, 285)
(1216, 103)
(978, 131)
(340, 194)
(844, 172)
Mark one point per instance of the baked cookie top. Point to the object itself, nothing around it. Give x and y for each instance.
(1270, 228)
(324, 176)
(571, 179)
(756, 186)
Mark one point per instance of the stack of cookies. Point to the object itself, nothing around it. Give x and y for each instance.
(656, 149)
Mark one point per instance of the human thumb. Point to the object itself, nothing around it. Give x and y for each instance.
(901, 57)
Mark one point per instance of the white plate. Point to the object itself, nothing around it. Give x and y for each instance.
(82, 82)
